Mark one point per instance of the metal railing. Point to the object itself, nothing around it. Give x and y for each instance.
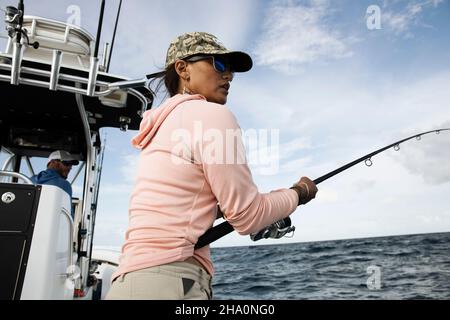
(71, 270)
(16, 175)
(94, 88)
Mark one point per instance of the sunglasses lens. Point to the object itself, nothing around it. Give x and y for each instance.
(220, 64)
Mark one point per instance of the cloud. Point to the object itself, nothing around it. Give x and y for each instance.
(295, 35)
(327, 195)
(294, 165)
(401, 23)
(143, 38)
(397, 203)
(129, 167)
(334, 118)
(429, 158)
(115, 189)
(267, 156)
(364, 184)
(110, 230)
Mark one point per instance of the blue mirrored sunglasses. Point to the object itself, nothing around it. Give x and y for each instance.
(220, 64)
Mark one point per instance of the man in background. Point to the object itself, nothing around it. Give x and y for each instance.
(59, 164)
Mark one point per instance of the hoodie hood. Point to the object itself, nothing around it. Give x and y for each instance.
(45, 176)
(152, 119)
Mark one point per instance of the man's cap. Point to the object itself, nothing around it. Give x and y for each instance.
(63, 156)
(203, 43)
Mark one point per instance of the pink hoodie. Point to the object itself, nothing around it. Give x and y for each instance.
(180, 180)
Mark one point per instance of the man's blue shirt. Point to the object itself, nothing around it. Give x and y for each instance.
(52, 177)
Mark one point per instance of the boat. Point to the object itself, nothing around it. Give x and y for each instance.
(56, 95)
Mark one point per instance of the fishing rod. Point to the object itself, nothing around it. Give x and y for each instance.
(21, 9)
(14, 24)
(283, 227)
(114, 36)
(99, 28)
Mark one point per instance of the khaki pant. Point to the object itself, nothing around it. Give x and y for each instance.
(172, 281)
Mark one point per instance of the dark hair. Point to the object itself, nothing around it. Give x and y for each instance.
(170, 79)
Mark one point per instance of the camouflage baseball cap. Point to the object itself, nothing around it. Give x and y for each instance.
(195, 43)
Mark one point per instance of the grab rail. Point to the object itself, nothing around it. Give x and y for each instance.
(16, 175)
(95, 88)
(70, 220)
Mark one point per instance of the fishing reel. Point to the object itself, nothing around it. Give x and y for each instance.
(14, 21)
(276, 230)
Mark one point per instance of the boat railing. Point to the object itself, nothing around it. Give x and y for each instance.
(51, 79)
(56, 34)
(71, 271)
(16, 175)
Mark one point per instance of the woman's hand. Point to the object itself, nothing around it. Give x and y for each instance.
(306, 190)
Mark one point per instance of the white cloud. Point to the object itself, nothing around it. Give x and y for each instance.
(401, 23)
(364, 184)
(294, 165)
(115, 189)
(143, 38)
(295, 35)
(129, 167)
(327, 195)
(267, 156)
(398, 203)
(429, 158)
(110, 230)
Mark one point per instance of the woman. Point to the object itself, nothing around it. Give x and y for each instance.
(186, 168)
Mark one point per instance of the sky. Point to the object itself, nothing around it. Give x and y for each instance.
(332, 81)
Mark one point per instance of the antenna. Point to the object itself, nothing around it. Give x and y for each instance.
(95, 195)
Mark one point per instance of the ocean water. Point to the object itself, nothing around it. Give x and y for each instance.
(397, 267)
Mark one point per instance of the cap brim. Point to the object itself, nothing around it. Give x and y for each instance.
(240, 61)
(72, 162)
